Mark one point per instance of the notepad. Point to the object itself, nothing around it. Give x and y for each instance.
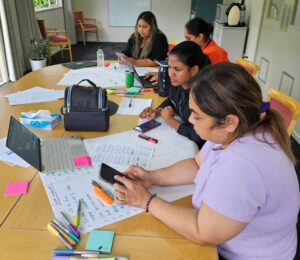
(100, 241)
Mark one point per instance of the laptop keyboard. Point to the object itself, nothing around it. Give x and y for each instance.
(58, 153)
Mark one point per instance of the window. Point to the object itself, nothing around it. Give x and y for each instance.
(40, 5)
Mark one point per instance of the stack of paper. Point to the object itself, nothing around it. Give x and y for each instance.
(7, 156)
(34, 95)
(112, 76)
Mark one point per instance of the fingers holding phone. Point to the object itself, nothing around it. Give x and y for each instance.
(130, 192)
(121, 57)
(139, 174)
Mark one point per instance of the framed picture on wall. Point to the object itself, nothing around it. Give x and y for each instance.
(125, 12)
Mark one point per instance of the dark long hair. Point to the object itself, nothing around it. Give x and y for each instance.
(150, 19)
(197, 25)
(226, 88)
(190, 54)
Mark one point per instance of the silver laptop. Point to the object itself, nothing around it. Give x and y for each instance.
(55, 154)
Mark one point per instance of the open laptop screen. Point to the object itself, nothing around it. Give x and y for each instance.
(24, 143)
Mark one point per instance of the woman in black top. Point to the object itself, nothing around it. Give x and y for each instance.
(147, 43)
(185, 61)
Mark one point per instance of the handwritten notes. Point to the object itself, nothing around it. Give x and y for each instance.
(111, 153)
(65, 188)
(64, 194)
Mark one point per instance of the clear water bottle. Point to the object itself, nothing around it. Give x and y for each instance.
(100, 58)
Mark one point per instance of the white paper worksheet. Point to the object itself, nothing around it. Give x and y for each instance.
(34, 95)
(65, 188)
(133, 106)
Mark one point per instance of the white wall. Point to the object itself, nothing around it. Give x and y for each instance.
(54, 18)
(282, 50)
(171, 16)
(254, 13)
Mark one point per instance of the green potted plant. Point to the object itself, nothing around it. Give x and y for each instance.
(39, 53)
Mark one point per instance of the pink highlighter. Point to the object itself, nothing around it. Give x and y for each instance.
(148, 138)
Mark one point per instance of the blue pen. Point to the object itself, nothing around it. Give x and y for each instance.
(69, 257)
(70, 225)
(130, 103)
(67, 252)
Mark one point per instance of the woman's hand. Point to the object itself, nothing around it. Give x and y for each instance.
(130, 192)
(132, 60)
(148, 113)
(152, 76)
(139, 174)
(167, 113)
(122, 58)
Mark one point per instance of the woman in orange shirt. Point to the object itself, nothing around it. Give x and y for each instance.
(199, 31)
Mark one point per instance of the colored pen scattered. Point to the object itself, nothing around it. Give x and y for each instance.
(59, 251)
(128, 95)
(148, 138)
(84, 254)
(130, 103)
(54, 232)
(60, 257)
(63, 233)
(71, 227)
(102, 194)
(77, 217)
(66, 230)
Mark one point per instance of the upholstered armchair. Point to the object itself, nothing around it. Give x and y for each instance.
(56, 38)
(85, 24)
(288, 107)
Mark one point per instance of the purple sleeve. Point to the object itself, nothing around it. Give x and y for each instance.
(235, 188)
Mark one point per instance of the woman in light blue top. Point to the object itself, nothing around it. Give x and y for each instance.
(246, 198)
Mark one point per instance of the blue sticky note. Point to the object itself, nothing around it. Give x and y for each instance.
(100, 240)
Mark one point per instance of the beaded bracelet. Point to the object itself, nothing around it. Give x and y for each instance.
(149, 201)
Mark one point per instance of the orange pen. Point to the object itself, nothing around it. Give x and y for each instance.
(102, 194)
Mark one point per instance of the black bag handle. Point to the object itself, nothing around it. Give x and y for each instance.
(102, 96)
(89, 81)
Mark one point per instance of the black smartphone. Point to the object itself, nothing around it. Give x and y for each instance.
(147, 126)
(108, 173)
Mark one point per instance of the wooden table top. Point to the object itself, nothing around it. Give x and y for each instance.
(23, 219)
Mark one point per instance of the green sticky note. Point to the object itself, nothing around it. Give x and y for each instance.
(133, 90)
(100, 240)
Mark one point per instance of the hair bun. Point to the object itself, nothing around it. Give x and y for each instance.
(210, 28)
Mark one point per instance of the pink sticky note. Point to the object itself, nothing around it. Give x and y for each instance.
(82, 161)
(16, 188)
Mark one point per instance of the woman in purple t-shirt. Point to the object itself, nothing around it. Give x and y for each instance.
(246, 191)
